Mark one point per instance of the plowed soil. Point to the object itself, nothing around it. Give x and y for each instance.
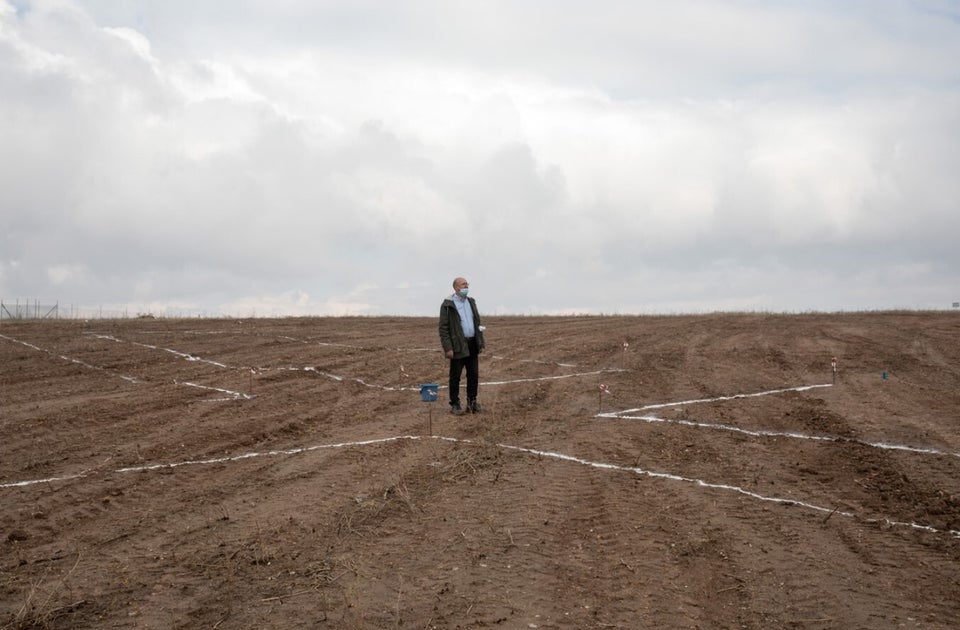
(286, 473)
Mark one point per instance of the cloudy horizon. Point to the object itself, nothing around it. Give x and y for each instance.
(352, 157)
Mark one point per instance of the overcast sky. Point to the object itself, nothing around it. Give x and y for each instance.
(288, 157)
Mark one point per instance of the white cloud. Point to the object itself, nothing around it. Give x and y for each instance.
(623, 156)
(136, 41)
(67, 274)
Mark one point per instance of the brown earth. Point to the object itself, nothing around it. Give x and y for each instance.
(286, 474)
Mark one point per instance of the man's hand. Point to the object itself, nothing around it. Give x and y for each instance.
(449, 354)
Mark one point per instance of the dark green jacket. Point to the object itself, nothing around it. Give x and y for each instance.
(451, 331)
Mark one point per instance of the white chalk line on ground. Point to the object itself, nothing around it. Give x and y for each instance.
(331, 344)
(232, 395)
(555, 378)
(191, 357)
(190, 332)
(183, 355)
(764, 432)
(423, 349)
(339, 378)
(791, 434)
(401, 388)
(537, 361)
(202, 462)
(620, 414)
(328, 344)
(236, 395)
(244, 332)
(129, 379)
(520, 449)
(696, 401)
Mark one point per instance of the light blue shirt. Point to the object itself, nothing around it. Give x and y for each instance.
(466, 315)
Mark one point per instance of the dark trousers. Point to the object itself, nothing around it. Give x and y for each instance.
(472, 363)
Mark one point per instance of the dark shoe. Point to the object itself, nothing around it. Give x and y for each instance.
(474, 407)
(456, 409)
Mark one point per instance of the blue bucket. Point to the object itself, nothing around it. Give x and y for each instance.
(428, 392)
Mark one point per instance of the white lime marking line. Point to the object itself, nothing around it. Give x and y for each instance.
(182, 355)
(388, 388)
(520, 449)
(725, 487)
(129, 379)
(788, 434)
(232, 395)
(554, 378)
(624, 415)
(695, 401)
(336, 377)
(547, 454)
(235, 395)
(537, 361)
(215, 460)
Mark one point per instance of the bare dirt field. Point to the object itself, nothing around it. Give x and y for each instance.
(285, 473)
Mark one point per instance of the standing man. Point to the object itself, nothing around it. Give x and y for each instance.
(461, 336)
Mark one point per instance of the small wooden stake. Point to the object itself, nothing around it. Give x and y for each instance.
(603, 390)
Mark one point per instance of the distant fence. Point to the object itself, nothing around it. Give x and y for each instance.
(36, 310)
(29, 310)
